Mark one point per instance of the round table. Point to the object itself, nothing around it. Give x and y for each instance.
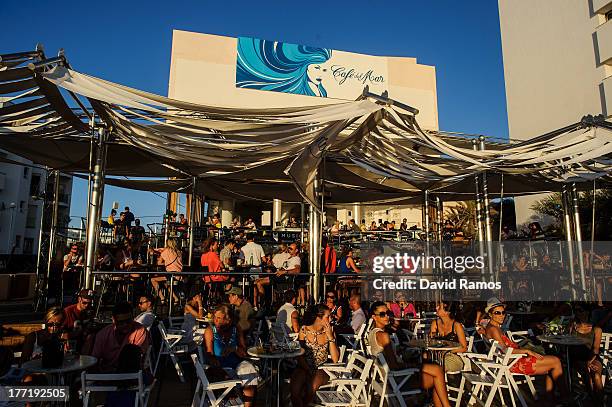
(70, 364)
(278, 356)
(565, 341)
(438, 347)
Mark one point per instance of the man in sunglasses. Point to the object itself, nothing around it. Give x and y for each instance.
(111, 339)
(79, 312)
(146, 317)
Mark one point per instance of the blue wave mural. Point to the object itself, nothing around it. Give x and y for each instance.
(280, 67)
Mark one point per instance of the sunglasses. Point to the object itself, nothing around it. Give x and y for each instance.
(384, 314)
(54, 324)
(331, 296)
(143, 302)
(499, 312)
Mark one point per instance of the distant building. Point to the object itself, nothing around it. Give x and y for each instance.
(22, 189)
(557, 67)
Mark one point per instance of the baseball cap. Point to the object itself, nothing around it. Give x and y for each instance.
(234, 290)
(87, 294)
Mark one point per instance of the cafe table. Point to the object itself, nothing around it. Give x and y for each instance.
(278, 356)
(437, 347)
(70, 364)
(565, 341)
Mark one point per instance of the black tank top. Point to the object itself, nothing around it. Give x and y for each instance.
(451, 336)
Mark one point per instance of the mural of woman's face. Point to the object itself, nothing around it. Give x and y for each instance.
(317, 72)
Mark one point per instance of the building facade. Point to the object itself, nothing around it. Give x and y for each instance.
(250, 72)
(557, 65)
(22, 191)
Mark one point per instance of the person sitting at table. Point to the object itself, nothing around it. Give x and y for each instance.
(287, 314)
(249, 224)
(171, 257)
(532, 363)
(401, 307)
(123, 257)
(33, 343)
(146, 317)
(319, 342)
(77, 314)
(226, 254)
(192, 311)
(279, 261)
(432, 375)
(235, 223)
(347, 266)
(110, 340)
(244, 316)
(335, 310)
(293, 223)
(586, 357)
(225, 347)
(445, 327)
(212, 263)
(358, 317)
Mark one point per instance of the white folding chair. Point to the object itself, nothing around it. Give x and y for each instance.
(354, 340)
(108, 383)
(204, 394)
(466, 368)
(351, 391)
(604, 352)
(391, 385)
(175, 322)
(494, 377)
(171, 347)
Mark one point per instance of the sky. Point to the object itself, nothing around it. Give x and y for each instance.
(129, 42)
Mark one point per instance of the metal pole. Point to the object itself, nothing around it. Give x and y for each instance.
(40, 232)
(192, 220)
(568, 235)
(95, 209)
(53, 226)
(592, 254)
(488, 231)
(440, 217)
(314, 244)
(277, 213)
(478, 211)
(302, 221)
(501, 221)
(426, 214)
(578, 239)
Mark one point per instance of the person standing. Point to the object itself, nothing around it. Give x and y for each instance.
(129, 217)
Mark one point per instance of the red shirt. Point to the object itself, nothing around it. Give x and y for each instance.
(72, 315)
(212, 261)
(107, 349)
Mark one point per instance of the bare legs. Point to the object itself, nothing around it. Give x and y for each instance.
(433, 377)
(551, 367)
(304, 386)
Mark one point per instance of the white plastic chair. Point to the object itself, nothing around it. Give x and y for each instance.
(107, 383)
(354, 340)
(466, 368)
(204, 394)
(391, 385)
(170, 346)
(604, 352)
(351, 391)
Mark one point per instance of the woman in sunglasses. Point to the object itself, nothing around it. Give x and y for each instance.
(336, 311)
(33, 344)
(532, 363)
(319, 342)
(446, 327)
(432, 376)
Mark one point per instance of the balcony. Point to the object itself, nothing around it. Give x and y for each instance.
(607, 90)
(602, 6)
(604, 42)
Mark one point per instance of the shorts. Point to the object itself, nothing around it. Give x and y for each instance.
(247, 372)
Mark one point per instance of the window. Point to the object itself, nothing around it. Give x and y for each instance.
(35, 185)
(26, 171)
(28, 245)
(609, 15)
(31, 217)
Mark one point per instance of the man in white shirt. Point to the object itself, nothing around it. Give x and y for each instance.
(281, 256)
(293, 262)
(358, 317)
(146, 317)
(287, 314)
(253, 252)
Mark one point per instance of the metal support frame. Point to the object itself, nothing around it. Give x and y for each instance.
(479, 228)
(42, 226)
(94, 212)
(302, 222)
(314, 245)
(487, 215)
(192, 220)
(426, 214)
(568, 236)
(578, 233)
(440, 216)
(53, 231)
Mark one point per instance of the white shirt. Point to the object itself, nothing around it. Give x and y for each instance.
(358, 318)
(283, 316)
(146, 319)
(253, 253)
(293, 262)
(279, 259)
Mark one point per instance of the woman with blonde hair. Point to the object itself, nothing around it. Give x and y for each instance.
(171, 257)
(54, 322)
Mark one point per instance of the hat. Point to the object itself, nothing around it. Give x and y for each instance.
(234, 290)
(492, 303)
(87, 294)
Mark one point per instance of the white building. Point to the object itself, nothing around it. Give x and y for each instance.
(557, 66)
(21, 204)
